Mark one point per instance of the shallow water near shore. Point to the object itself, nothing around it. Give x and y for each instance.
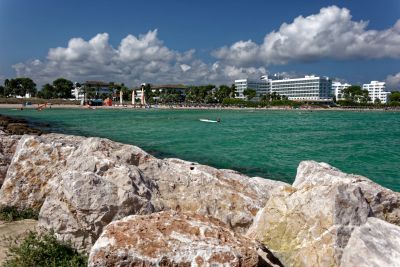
(262, 143)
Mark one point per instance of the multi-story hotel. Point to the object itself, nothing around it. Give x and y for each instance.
(337, 88)
(261, 86)
(376, 90)
(309, 88)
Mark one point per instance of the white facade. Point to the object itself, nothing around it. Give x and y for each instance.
(307, 88)
(376, 90)
(262, 87)
(337, 88)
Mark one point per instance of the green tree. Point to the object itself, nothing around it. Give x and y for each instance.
(47, 92)
(250, 93)
(394, 96)
(19, 87)
(377, 101)
(2, 90)
(223, 92)
(111, 86)
(199, 93)
(148, 94)
(63, 88)
(355, 93)
(233, 91)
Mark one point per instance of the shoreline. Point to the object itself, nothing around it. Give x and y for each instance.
(175, 107)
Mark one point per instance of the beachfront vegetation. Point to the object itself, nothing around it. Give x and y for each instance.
(34, 101)
(355, 94)
(43, 250)
(61, 88)
(18, 87)
(395, 96)
(260, 104)
(250, 93)
(9, 214)
(394, 99)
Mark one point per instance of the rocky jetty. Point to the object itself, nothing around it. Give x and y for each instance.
(82, 184)
(127, 207)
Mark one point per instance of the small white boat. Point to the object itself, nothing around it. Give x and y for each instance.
(206, 120)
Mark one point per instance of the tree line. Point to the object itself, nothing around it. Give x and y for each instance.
(61, 88)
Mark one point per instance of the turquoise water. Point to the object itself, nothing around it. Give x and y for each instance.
(262, 143)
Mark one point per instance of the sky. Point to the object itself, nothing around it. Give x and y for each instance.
(199, 42)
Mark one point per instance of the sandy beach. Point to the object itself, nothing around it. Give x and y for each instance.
(72, 106)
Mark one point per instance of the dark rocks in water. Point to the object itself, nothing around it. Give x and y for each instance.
(4, 120)
(21, 129)
(16, 126)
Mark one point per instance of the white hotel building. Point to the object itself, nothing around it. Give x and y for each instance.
(337, 88)
(261, 86)
(376, 90)
(309, 88)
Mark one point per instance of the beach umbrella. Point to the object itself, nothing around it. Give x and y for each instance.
(133, 97)
(120, 97)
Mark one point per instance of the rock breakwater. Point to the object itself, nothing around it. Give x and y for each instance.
(114, 201)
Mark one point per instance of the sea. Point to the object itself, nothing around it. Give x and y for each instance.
(265, 143)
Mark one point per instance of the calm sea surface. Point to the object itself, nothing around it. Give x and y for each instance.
(269, 144)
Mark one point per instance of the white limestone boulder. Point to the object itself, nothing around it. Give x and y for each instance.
(310, 223)
(374, 244)
(8, 144)
(173, 239)
(226, 195)
(384, 203)
(36, 161)
(80, 184)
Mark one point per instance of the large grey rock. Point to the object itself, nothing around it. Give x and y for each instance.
(310, 223)
(226, 195)
(8, 144)
(374, 244)
(82, 203)
(310, 226)
(36, 160)
(384, 203)
(172, 239)
(81, 184)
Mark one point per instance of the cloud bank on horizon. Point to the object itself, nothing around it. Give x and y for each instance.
(329, 34)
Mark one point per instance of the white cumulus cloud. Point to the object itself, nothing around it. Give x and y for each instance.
(393, 82)
(145, 58)
(329, 34)
(137, 59)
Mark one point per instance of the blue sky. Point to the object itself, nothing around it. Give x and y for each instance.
(199, 41)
